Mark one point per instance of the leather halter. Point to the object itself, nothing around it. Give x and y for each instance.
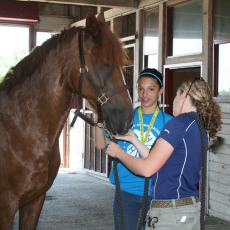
(101, 99)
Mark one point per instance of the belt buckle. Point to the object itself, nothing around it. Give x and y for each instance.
(151, 221)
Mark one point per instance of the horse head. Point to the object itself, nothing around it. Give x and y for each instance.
(103, 84)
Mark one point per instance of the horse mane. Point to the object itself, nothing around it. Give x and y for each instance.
(109, 49)
(25, 68)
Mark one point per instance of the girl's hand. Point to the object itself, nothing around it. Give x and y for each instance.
(130, 136)
(113, 149)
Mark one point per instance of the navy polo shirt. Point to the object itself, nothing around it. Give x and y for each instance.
(179, 176)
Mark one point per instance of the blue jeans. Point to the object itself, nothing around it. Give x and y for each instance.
(131, 205)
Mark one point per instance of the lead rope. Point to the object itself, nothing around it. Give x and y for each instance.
(203, 170)
(118, 189)
(118, 196)
(143, 209)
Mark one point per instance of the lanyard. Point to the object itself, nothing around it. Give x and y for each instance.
(144, 138)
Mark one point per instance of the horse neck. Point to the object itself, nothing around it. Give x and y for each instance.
(48, 94)
(58, 91)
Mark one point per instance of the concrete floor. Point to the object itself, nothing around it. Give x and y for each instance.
(78, 201)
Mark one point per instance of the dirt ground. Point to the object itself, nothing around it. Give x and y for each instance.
(78, 201)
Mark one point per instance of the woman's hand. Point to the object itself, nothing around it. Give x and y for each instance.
(113, 149)
(130, 136)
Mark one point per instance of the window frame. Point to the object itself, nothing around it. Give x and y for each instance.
(216, 70)
(169, 29)
(215, 80)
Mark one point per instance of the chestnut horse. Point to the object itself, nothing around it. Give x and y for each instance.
(35, 99)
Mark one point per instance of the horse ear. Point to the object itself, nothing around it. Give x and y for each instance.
(92, 25)
(91, 20)
(101, 17)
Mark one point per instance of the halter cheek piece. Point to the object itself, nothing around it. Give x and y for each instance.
(103, 98)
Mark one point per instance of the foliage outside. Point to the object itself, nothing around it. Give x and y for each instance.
(8, 60)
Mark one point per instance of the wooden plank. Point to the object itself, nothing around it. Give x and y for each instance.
(225, 115)
(225, 107)
(223, 210)
(222, 168)
(220, 158)
(226, 120)
(225, 129)
(102, 3)
(162, 37)
(219, 187)
(226, 138)
(147, 3)
(217, 177)
(109, 14)
(207, 65)
(53, 23)
(224, 149)
(220, 198)
(220, 215)
(183, 59)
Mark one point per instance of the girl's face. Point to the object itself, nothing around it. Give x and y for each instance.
(178, 103)
(148, 91)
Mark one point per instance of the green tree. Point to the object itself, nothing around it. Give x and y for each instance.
(9, 60)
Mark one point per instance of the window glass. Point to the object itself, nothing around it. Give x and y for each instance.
(14, 45)
(222, 47)
(187, 28)
(129, 70)
(42, 37)
(151, 38)
(125, 26)
(224, 70)
(222, 20)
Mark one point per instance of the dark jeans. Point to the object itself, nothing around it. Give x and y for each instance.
(131, 205)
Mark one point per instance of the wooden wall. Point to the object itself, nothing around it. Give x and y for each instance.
(219, 171)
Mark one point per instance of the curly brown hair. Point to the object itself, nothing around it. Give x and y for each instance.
(207, 107)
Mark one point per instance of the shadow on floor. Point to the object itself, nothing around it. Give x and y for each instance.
(78, 201)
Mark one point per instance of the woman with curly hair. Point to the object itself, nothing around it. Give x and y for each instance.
(176, 158)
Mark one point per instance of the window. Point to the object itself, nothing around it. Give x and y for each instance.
(125, 26)
(14, 45)
(42, 37)
(224, 70)
(185, 28)
(221, 21)
(221, 48)
(129, 70)
(151, 38)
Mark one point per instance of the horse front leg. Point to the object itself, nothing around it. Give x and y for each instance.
(6, 219)
(29, 214)
(54, 164)
(8, 208)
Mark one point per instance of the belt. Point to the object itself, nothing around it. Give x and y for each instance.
(174, 202)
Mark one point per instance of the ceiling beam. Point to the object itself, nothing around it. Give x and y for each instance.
(102, 3)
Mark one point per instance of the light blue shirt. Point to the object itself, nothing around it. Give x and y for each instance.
(130, 182)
